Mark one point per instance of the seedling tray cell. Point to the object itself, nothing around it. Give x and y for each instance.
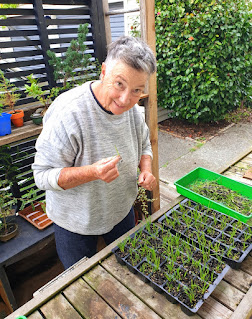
(156, 264)
(201, 174)
(225, 236)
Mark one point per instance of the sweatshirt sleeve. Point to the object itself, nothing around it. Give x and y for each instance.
(56, 148)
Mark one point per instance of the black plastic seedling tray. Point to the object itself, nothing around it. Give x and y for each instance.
(155, 242)
(197, 223)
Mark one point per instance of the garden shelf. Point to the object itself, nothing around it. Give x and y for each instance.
(224, 235)
(161, 258)
(201, 174)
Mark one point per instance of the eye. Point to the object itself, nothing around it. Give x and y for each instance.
(137, 92)
(119, 85)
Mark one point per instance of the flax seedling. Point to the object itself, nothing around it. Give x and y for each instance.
(247, 236)
(229, 252)
(204, 287)
(181, 208)
(204, 272)
(122, 245)
(177, 274)
(134, 241)
(135, 257)
(187, 219)
(239, 224)
(233, 233)
(216, 247)
(154, 259)
(191, 293)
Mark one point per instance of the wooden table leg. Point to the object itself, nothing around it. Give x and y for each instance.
(6, 291)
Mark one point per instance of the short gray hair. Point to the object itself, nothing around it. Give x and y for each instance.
(132, 51)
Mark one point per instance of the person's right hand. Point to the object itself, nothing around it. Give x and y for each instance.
(106, 169)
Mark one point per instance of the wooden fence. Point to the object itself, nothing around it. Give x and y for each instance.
(36, 26)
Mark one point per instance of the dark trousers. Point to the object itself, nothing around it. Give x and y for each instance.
(71, 247)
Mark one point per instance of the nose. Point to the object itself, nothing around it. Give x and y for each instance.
(124, 97)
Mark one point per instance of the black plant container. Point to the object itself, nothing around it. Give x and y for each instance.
(209, 230)
(156, 234)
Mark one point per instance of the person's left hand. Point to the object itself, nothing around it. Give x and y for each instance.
(147, 180)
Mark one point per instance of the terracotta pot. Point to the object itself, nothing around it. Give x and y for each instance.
(17, 117)
(12, 229)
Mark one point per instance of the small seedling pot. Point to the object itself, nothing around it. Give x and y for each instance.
(37, 118)
(12, 232)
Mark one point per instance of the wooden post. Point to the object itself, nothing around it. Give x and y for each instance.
(107, 21)
(98, 27)
(147, 15)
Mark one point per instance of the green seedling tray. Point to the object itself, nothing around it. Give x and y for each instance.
(183, 187)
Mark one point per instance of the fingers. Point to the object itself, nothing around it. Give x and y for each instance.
(147, 180)
(106, 169)
(112, 159)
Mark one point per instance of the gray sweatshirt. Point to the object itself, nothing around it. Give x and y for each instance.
(77, 132)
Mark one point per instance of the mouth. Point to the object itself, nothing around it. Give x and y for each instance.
(119, 106)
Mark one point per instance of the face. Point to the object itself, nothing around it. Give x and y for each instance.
(121, 88)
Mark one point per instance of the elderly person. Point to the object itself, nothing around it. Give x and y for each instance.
(89, 189)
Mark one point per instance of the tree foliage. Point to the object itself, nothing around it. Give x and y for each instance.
(204, 57)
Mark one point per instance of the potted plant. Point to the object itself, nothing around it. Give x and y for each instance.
(8, 228)
(34, 90)
(76, 65)
(9, 97)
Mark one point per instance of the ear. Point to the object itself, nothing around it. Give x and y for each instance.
(103, 71)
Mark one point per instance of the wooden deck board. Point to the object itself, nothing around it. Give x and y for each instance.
(238, 177)
(239, 279)
(143, 291)
(228, 295)
(246, 265)
(35, 315)
(213, 309)
(93, 307)
(244, 310)
(118, 296)
(58, 308)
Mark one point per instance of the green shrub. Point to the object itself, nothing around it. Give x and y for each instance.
(204, 57)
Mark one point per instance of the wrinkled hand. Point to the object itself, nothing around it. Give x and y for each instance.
(106, 169)
(147, 180)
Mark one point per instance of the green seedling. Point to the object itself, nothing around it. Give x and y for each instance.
(223, 195)
(122, 245)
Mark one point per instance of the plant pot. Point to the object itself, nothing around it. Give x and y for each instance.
(17, 118)
(37, 118)
(5, 124)
(12, 231)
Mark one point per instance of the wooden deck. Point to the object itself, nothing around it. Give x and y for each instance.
(102, 288)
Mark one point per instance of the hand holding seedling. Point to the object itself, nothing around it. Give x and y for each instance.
(106, 169)
(147, 180)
